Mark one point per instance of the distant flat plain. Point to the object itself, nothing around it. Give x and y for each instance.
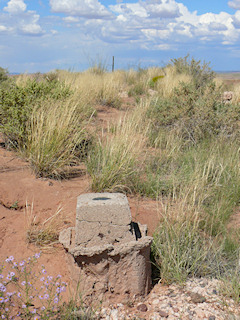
(234, 75)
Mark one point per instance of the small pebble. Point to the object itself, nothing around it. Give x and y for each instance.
(155, 301)
(114, 314)
(142, 307)
(163, 314)
(196, 297)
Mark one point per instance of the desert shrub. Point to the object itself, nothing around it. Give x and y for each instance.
(137, 89)
(153, 81)
(200, 71)
(17, 104)
(3, 74)
(51, 76)
(198, 114)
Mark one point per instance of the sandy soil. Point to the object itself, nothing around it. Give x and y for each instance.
(23, 196)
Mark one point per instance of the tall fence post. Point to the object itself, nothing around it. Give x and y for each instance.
(112, 63)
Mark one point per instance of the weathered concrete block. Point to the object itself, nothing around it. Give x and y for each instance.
(102, 218)
(112, 273)
(109, 255)
(65, 237)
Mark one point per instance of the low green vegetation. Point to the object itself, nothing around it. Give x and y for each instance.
(29, 292)
(17, 103)
(179, 145)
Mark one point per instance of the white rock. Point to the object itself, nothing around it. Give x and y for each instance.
(114, 314)
(155, 301)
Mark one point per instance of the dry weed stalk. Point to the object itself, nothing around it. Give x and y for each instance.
(43, 234)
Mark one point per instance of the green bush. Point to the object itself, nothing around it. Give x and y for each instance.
(17, 103)
(201, 72)
(3, 75)
(198, 114)
(154, 80)
(137, 89)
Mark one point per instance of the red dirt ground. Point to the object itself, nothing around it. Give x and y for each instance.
(19, 186)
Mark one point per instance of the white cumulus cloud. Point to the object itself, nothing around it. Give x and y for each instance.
(71, 19)
(235, 4)
(91, 9)
(15, 6)
(17, 19)
(29, 25)
(162, 8)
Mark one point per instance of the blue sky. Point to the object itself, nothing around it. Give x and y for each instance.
(41, 35)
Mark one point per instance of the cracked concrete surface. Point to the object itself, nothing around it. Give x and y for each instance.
(107, 252)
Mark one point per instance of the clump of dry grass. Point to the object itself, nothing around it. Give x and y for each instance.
(171, 80)
(43, 234)
(116, 160)
(95, 88)
(55, 132)
(236, 94)
(183, 248)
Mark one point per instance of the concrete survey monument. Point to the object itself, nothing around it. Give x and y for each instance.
(108, 253)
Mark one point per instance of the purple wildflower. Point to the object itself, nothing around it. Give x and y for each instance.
(56, 300)
(2, 287)
(9, 259)
(9, 294)
(63, 289)
(46, 296)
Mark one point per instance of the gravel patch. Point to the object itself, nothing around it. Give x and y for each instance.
(197, 299)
